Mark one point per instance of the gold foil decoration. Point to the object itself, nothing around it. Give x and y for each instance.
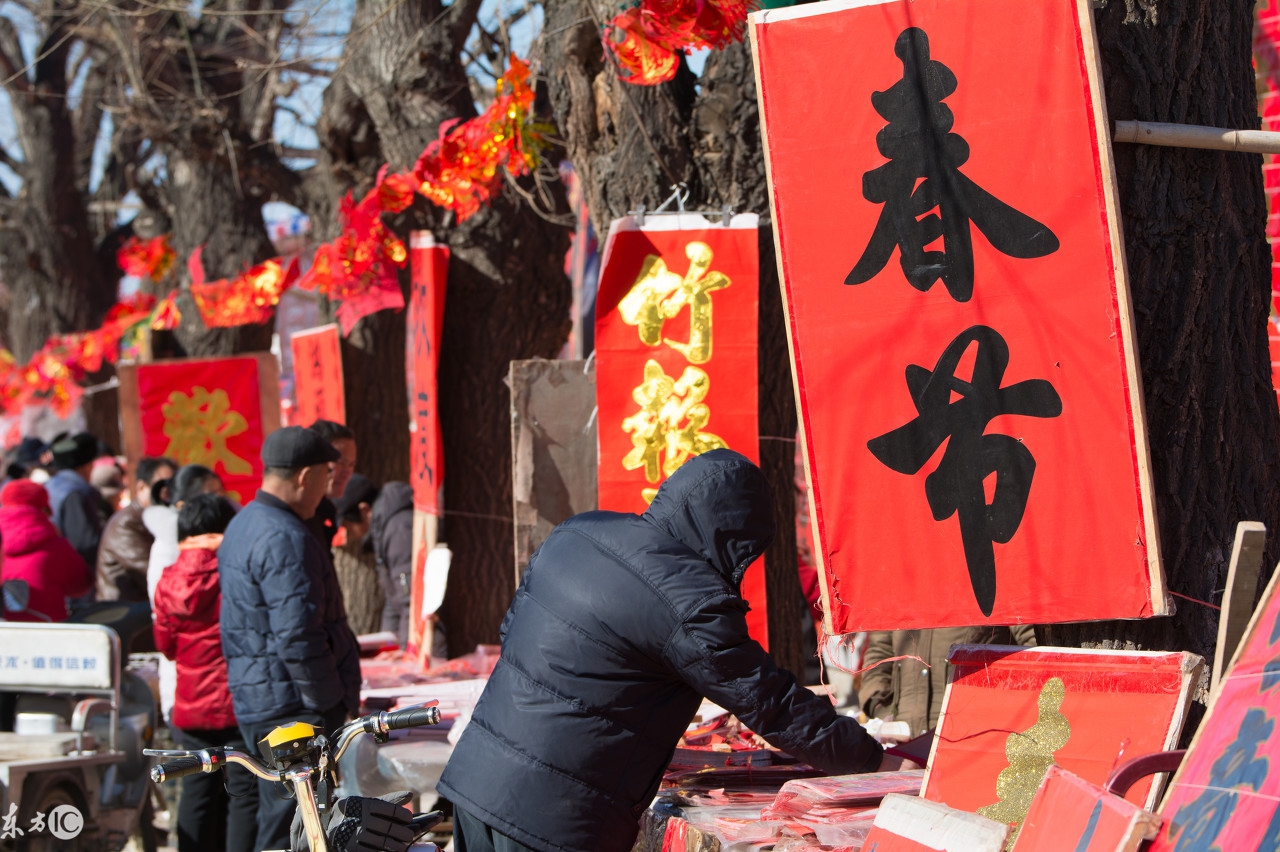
(198, 427)
(1030, 755)
(667, 430)
(659, 295)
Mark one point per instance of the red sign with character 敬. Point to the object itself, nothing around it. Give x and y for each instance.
(676, 318)
(430, 267)
(213, 412)
(317, 375)
(959, 318)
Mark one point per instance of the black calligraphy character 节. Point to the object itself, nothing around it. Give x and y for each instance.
(922, 149)
(956, 486)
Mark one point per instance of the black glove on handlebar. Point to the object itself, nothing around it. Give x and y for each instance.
(360, 824)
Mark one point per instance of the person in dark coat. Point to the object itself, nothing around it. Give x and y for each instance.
(74, 501)
(187, 606)
(291, 657)
(324, 523)
(125, 548)
(621, 625)
(391, 530)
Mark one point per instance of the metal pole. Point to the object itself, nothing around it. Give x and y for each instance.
(1195, 136)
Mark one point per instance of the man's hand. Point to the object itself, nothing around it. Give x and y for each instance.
(893, 763)
(360, 824)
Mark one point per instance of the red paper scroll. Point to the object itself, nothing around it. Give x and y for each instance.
(208, 412)
(1226, 794)
(676, 366)
(958, 311)
(430, 267)
(1010, 713)
(317, 375)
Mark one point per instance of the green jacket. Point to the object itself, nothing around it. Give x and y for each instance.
(908, 690)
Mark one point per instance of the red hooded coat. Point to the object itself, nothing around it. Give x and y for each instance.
(34, 551)
(188, 602)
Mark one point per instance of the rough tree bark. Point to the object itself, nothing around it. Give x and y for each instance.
(48, 249)
(507, 295)
(630, 144)
(1199, 266)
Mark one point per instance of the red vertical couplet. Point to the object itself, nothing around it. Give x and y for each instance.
(317, 375)
(430, 267)
(958, 312)
(205, 412)
(676, 371)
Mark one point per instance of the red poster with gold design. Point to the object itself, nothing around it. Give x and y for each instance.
(1010, 713)
(429, 267)
(1226, 793)
(959, 317)
(676, 317)
(317, 375)
(213, 412)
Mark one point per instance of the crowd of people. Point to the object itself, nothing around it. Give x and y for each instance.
(248, 604)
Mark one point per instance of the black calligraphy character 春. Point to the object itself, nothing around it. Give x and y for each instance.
(956, 486)
(921, 148)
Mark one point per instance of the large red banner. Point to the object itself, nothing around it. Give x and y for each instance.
(429, 267)
(676, 318)
(317, 375)
(958, 312)
(206, 412)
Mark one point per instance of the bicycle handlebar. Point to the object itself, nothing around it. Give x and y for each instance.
(179, 767)
(412, 717)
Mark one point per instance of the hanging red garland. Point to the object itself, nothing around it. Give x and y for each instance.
(249, 298)
(151, 258)
(645, 39)
(459, 171)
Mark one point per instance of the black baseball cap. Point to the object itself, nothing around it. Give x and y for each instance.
(294, 447)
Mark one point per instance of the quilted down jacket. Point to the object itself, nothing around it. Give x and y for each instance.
(284, 627)
(621, 625)
(188, 600)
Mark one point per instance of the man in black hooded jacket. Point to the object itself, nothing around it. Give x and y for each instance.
(621, 625)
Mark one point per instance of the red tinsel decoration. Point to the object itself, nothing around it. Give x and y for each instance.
(367, 253)
(151, 258)
(459, 171)
(646, 38)
(249, 298)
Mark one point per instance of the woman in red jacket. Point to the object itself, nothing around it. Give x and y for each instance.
(188, 600)
(34, 551)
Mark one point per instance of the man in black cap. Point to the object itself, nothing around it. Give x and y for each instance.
(290, 655)
(73, 501)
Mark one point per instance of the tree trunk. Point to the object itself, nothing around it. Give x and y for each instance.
(1199, 267)
(629, 144)
(507, 297)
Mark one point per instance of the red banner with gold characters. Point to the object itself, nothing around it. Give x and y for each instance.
(430, 268)
(317, 375)
(676, 319)
(958, 313)
(212, 412)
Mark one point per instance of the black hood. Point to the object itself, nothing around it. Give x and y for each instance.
(719, 505)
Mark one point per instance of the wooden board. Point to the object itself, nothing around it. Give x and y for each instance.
(1069, 814)
(1237, 600)
(553, 448)
(959, 317)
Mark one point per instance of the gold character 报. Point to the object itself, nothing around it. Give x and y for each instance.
(659, 295)
(667, 430)
(198, 427)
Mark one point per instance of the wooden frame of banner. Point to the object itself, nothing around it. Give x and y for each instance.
(130, 415)
(1158, 599)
